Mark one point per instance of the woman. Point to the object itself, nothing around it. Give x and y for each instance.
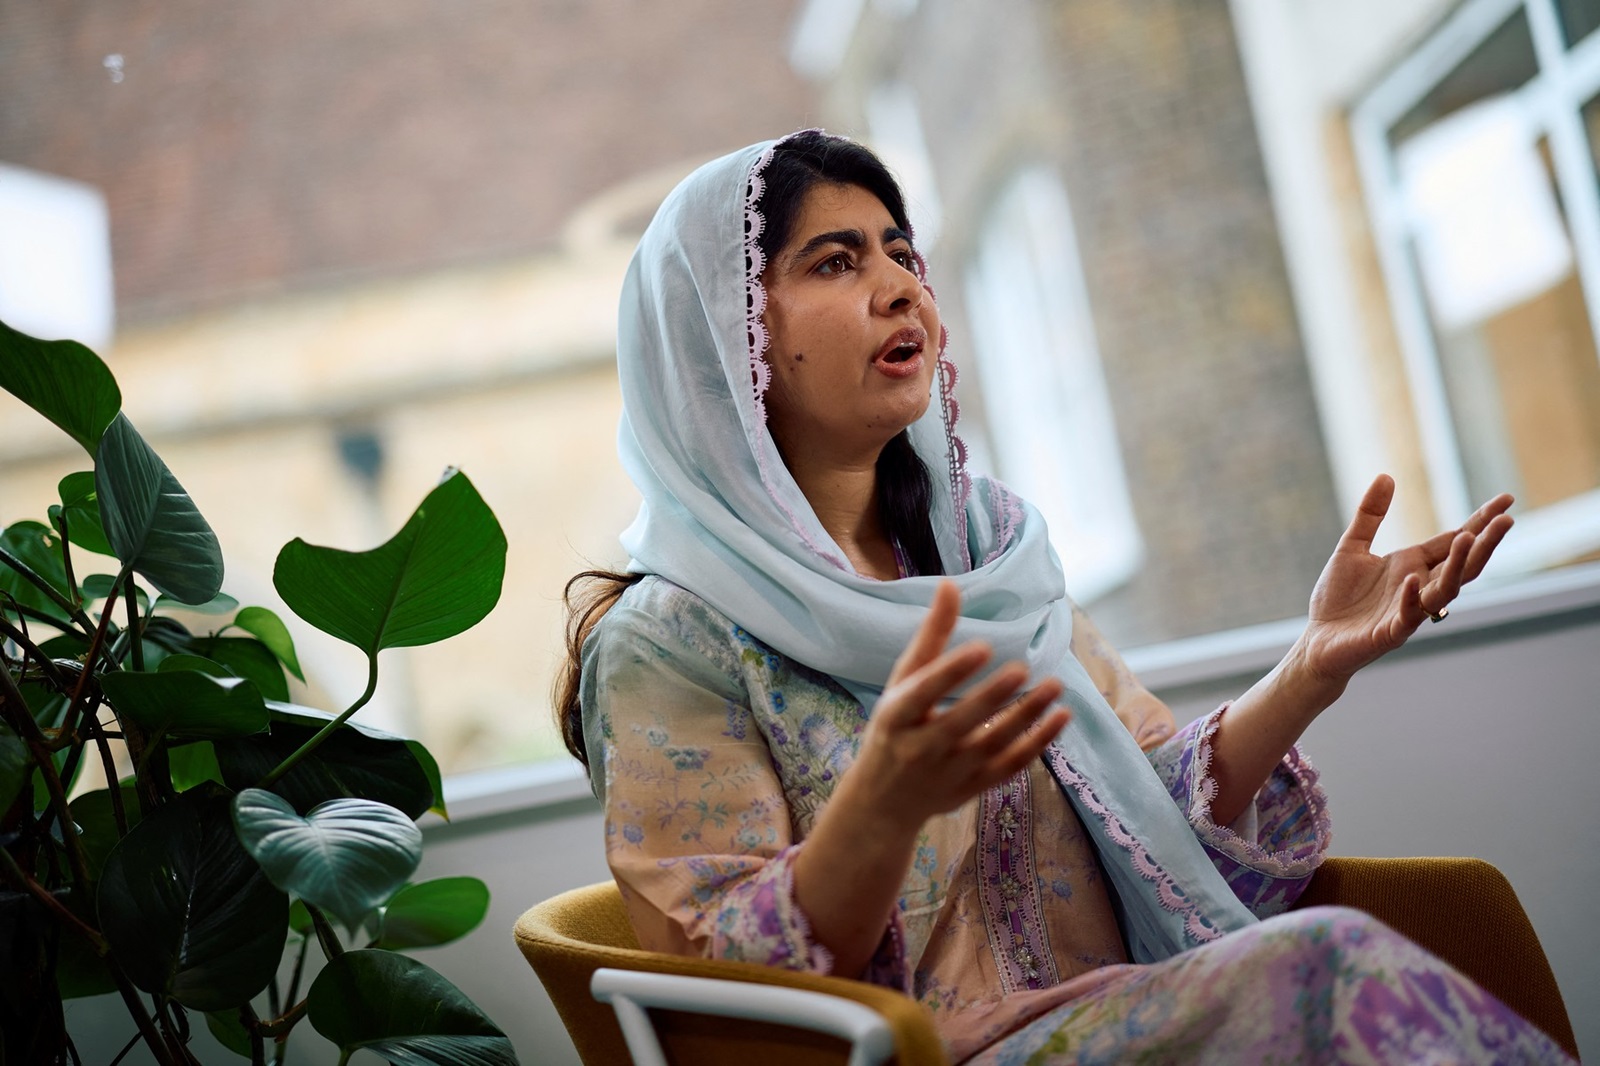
(817, 752)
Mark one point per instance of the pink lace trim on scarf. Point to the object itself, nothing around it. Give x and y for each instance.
(1007, 508)
(1223, 838)
(1168, 894)
(1013, 912)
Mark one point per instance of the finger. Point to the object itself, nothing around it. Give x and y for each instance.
(1014, 720)
(933, 634)
(985, 699)
(1411, 611)
(1480, 519)
(912, 698)
(1485, 545)
(1447, 584)
(1369, 515)
(1025, 748)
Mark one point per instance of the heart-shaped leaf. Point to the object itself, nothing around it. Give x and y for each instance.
(440, 575)
(62, 380)
(81, 509)
(150, 520)
(400, 1009)
(434, 912)
(354, 761)
(346, 855)
(188, 912)
(37, 547)
(268, 628)
(99, 587)
(187, 703)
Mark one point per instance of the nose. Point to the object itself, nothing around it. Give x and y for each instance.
(900, 289)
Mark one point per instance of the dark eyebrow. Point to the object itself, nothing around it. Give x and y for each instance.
(850, 238)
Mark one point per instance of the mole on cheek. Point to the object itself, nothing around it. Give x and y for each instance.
(799, 357)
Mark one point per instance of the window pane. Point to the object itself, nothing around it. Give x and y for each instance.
(1523, 378)
(1504, 61)
(1579, 18)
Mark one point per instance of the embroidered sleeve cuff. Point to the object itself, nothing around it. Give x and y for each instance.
(1270, 851)
(760, 921)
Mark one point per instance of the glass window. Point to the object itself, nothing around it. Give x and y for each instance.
(1049, 413)
(1579, 18)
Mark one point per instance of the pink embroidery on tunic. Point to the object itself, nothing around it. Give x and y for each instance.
(1013, 913)
(1168, 894)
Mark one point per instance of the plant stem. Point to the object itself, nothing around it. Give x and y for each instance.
(280, 1026)
(126, 1048)
(15, 709)
(33, 652)
(130, 998)
(326, 937)
(326, 731)
(252, 1025)
(299, 968)
(66, 559)
(27, 574)
(55, 906)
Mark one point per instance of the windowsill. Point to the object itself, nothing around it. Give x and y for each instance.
(545, 789)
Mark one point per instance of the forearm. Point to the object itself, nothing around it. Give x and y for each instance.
(1259, 727)
(847, 877)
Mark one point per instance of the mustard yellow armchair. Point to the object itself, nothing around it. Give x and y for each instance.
(1462, 910)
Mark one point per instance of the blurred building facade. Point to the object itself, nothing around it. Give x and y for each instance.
(1192, 271)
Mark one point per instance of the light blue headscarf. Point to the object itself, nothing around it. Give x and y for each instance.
(722, 518)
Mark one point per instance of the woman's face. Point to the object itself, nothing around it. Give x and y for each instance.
(854, 335)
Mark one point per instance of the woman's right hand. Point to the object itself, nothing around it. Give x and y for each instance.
(916, 760)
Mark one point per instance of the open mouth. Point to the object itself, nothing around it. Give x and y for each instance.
(904, 346)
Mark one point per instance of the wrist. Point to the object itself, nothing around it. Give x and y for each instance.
(1312, 684)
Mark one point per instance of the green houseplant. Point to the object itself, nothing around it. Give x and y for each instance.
(251, 832)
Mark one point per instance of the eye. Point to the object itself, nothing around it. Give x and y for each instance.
(837, 263)
(906, 258)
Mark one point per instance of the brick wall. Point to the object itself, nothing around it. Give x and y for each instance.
(258, 147)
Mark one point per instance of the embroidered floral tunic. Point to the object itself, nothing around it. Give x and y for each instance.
(713, 754)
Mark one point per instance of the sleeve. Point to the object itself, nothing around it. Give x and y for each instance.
(1270, 851)
(697, 830)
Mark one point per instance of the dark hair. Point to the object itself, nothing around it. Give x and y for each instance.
(905, 488)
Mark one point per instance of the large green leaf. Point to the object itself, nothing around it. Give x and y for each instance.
(37, 547)
(404, 1011)
(151, 521)
(15, 766)
(81, 508)
(187, 703)
(268, 628)
(434, 912)
(79, 971)
(346, 855)
(435, 578)
(354, 761)
(430, 767)
(62, 380)
(228, 1028)
(188, 912)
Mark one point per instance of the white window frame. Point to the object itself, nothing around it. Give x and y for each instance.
(1049, 418)
(1567, 79)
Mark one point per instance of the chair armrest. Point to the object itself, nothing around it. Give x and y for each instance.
(630, 992)
(1465, 912)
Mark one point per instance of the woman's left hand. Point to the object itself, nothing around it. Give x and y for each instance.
(1366, 605)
